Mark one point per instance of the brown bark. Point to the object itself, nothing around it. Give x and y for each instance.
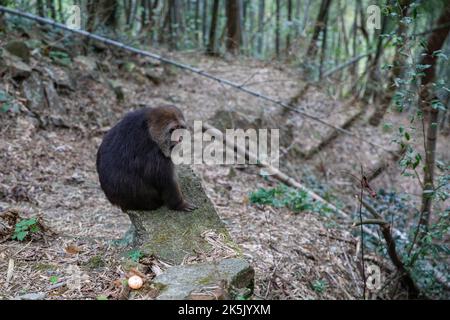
(172, 22)
(435, 42)
(233, 26)
(211, 48)
(288, 36)
(405, 277)
(320, 22)
(91, 6)
(107, 13)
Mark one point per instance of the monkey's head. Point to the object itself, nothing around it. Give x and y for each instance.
(163, 121)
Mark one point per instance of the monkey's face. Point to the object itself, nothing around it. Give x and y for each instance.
(163, 121)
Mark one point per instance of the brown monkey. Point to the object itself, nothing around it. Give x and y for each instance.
(134, 164)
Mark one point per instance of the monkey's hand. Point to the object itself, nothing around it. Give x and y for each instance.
(187, 206)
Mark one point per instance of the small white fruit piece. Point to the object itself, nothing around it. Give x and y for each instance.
(135, 282)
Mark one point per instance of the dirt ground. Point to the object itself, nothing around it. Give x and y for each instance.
(50, 171)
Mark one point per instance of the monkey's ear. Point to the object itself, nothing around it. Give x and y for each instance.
(153, 131)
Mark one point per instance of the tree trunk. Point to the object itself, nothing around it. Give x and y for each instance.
(205, 21)
(144, 15)
(211, 48)
(91, 6)
(305, 17)
(127, 10)
(197, 21)
(324, 47)
(320, 22)
(277, 28)
(173, 22)
(435, 43)
(51, 7)
(398, 62)
(107, 13)
(60, 11)
(40, 8)
(151, 19)
(242, 34)
(374, 84)
(354, 69)
(133, 11)
(261, 11)
(344, 30)
(233, 26)
(289, 19)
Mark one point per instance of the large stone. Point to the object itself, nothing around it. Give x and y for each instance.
(118, 87)
(87, 64)
(53, 99)
(155, 75)
(174, 235)
(227, 119)
(60, 77)
(17, 68)
(227, 279)
(34, 92)
(19, 49)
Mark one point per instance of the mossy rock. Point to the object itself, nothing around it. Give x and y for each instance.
(19, 49)
(173, 235)
(192, 282)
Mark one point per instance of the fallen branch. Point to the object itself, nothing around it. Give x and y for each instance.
(405, 277)
(274, 172)
(347, 64)
(370, 221)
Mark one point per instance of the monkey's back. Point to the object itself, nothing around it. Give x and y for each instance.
(129, 163)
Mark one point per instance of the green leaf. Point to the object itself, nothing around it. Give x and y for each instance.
(438, 105)
(135, 255)
(20, 236)
(54, 279)
(407, 136)
(6, 106)
(4, 96)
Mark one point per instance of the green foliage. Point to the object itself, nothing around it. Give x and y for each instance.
(54, 279)
(7, 103)
(24, 228)
(60, 58)
(432, 247)
(283, 196)
(135, 255)
(319, 286)
(396, 208)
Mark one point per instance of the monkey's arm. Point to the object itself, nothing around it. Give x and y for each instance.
(173, 197)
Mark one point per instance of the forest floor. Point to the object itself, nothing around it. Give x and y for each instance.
(48, 168)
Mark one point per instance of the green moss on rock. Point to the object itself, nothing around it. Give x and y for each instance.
(171, 235)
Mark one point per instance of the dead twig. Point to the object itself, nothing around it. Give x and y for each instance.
(405, 277)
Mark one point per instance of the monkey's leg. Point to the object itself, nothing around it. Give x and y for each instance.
(173, 197)
(133, 236)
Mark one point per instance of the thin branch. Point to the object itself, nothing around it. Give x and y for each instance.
(370, 221)
(406, 278)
